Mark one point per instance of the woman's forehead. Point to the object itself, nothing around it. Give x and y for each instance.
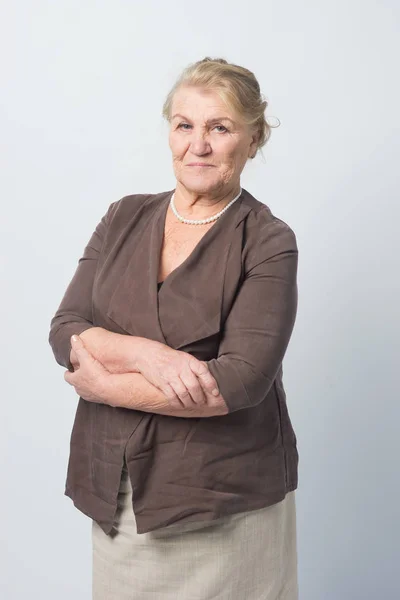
(198, 102)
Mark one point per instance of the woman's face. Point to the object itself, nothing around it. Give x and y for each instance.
(210, 144)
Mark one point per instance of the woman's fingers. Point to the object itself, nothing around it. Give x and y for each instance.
(193, 385)
(205, 378)
(185, 392)
(74, 359)
(182, 392)
(81, 355)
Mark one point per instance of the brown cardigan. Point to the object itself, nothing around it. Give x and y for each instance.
(232, 303)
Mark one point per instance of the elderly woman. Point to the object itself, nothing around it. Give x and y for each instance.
(182, 450)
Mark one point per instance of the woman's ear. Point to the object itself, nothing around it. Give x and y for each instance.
(254, 144)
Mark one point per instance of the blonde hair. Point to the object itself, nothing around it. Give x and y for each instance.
(237, 86)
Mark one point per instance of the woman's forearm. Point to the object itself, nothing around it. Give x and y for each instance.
(132, 390)
(118, 353)
(95, 383)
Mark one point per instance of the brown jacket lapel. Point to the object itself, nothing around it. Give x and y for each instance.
(181, 313)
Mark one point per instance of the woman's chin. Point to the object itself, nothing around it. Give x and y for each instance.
(201, 185)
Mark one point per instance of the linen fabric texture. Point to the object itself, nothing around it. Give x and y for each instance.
(231, 303)
(248, 556)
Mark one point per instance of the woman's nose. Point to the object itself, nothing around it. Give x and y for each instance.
(200, 146)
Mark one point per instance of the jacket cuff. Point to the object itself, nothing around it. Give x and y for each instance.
(229, 383)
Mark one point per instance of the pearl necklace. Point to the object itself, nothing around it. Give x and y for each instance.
(201, 221)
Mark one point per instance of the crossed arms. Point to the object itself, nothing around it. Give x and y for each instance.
(106, 382)
(253, 343)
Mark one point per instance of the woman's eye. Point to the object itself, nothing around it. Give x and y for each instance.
(221, 128)
(184, 126)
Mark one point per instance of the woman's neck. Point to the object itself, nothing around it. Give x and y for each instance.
(196, 205)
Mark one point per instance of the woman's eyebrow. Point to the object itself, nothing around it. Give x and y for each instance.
(180, 117)
(214, 120)
(218, 119)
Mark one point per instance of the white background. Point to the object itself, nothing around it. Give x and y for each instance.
(82, 89)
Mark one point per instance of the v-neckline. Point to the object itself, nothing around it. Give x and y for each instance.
(139, 308)
(157, 246)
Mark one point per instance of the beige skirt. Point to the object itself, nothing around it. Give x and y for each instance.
(247, 556)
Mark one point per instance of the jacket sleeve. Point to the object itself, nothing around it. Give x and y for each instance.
(259, 325)
(74, 314)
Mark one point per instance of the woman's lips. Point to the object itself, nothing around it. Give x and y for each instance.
(199, 165)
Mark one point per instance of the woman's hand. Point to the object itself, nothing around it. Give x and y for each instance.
(90, 377)
(181, 377)
(116, 352)
(73, 359)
